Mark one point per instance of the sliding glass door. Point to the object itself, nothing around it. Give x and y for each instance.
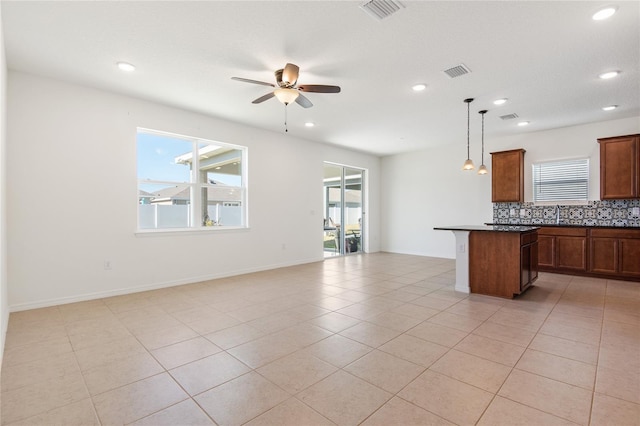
(343, 210)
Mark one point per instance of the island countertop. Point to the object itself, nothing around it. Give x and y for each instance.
(489, 228)
(563, 225)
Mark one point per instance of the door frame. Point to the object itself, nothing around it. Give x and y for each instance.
(364, 175)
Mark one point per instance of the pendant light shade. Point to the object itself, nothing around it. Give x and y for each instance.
(482, 170)
(468, 164)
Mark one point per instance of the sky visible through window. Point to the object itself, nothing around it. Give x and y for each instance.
(156, 161)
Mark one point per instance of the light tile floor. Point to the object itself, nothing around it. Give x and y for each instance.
(377, 339)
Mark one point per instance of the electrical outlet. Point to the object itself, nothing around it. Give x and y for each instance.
(522, 213)
(512, 212)
(635, 211)
(461, 248)
(107, 265)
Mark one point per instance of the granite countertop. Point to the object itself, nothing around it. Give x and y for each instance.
(562, 225)
(490, 228)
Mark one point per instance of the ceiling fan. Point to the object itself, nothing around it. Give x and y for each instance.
(286, 90)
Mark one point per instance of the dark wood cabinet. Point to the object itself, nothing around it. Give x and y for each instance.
(604, 255)
(528, 264)
(598, 252)
(546, 250)
(615, 252)
(502, 264)
(620, 167)
(562, 249)
(507, 176)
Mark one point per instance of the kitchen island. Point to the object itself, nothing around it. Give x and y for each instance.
(498, 260)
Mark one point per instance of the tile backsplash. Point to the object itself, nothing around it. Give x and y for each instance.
(594, 213)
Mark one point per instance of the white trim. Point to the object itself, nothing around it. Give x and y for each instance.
(130, 290)
(187, 231)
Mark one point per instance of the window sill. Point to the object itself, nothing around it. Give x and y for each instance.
(188, 231)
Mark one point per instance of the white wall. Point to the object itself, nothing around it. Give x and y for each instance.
(71, 162)
(427, 189)
(4, 307)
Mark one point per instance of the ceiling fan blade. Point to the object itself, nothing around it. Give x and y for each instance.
(264, 98)
(290, 74)
(319, 88)
(303, 101)
(246, 80)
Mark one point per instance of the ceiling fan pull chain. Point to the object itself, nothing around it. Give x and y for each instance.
(285, 119)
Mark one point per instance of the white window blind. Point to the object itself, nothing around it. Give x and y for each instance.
(561, 180)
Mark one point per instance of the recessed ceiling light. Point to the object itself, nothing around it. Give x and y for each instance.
(610, 107)
(609, 74)
(419, 87)
(500, 101)
(309, 124)
(605, 13)
(124, 66)
(523, 123)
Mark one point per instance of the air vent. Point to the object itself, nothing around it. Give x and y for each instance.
(457, 71)
(381, 9)
(509, 116)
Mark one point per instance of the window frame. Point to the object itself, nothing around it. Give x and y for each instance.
(585, 168)
(195, 186)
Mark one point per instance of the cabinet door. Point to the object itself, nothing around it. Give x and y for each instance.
(507, 176)
(571, 253)
(534, 261)
(604, 255)
(619, 167)
(546, 251)
(525, 266)
(629, 252)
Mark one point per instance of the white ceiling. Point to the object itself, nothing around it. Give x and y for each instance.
(544, 56)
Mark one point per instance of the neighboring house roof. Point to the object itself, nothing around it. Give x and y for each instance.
(145, 194)
(214, 193)
(352, 196)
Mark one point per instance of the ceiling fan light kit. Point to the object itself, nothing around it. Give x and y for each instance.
(286, 96)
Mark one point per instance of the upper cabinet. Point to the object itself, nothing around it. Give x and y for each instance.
(507, 176)
(620, 167)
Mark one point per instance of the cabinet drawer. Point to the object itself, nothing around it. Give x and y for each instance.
(569, 232)
(528, 238)
(615, 233)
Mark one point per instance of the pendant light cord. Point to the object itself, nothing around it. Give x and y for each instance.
(482, 138)
(468, 123)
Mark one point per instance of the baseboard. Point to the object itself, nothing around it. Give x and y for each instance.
(155, 286)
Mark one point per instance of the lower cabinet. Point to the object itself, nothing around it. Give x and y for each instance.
(502, 264)
(562, 249)
(615, 252)
(598, 252)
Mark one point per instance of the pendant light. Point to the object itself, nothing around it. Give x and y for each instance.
(468, 164)
(482, 170)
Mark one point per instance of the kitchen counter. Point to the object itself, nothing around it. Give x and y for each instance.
(490, 227)
(561, 225)
(505, 238)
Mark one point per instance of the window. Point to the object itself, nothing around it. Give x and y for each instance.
(566, 180)
(189, 183)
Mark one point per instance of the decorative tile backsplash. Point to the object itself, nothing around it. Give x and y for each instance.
(594, 213)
